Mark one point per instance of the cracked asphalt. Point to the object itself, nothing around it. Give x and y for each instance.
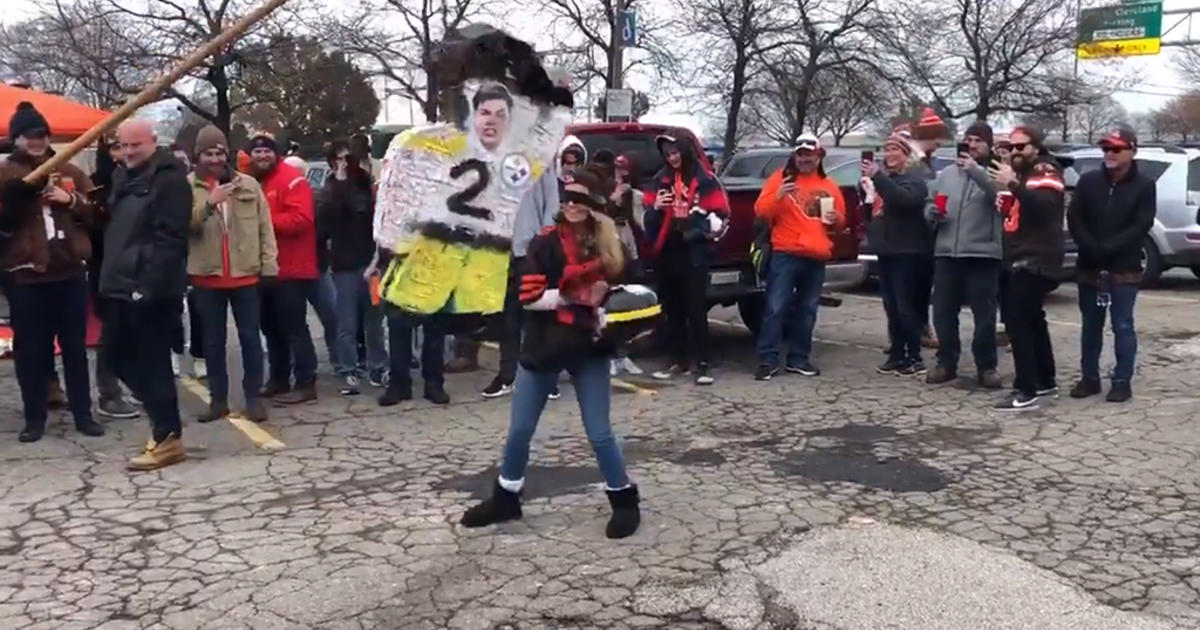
(850, 501)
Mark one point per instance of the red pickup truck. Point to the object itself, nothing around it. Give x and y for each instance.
(731, 279)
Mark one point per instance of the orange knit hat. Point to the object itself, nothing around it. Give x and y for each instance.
(930, 126)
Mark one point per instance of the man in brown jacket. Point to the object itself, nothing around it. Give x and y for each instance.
(46, 255)
(231, 248)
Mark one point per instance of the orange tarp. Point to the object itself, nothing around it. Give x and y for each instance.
(68, 119)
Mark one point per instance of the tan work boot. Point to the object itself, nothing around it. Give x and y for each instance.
(298, 396)
(158, 455)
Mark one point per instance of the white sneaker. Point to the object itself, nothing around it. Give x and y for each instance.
(175, 364)
(199, 368)
(629, 366)
(614, 367)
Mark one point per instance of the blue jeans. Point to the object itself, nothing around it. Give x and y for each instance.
(793, 294)
(323, 298)
(590, 377)
(1124, 297)
(214, 306)
(353, 293)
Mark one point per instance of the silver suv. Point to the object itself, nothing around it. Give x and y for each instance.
(1174, 241)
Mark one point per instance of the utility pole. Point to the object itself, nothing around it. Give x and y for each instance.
(616, 64)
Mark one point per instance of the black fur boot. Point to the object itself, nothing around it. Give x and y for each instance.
(626, 517)
(503, 506)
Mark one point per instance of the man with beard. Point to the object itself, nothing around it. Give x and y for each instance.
(967, 253)
(1030, 201)
(46, 256)
(687, 209)
(803, 207)
(232, 246)
(285, 302)
(144, 278)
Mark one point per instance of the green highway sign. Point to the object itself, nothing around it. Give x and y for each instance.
(1133, 28)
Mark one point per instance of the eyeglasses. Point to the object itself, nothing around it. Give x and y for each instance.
(1019, 146)
(1114, 149)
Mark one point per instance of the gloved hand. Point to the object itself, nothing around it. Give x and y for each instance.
(17, 195)
(583, 273)
(532, 288)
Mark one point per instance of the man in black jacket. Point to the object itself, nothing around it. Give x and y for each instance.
(1111, 212)
(143, 277)
(1030, 199)
(901, 236)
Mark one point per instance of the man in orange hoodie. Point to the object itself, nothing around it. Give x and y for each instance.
(802, 207)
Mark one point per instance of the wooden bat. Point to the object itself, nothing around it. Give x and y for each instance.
(152, 91)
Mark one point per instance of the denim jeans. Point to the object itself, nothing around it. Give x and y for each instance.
(322, 295)
(401, 327)
(974, 281)
(141, 335)
(285, 325)
(902, 281)
(195, 332)
(354, 294)
(1124, 298)
(107, 384)
(590, 377)
(214, 305)
(793, 295)
(40, 312)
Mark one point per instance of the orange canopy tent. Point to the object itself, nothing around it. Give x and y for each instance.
(68, 119)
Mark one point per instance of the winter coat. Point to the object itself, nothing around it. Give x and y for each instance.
(1033, 229)
(48, 241)
(1108, 220)
(346, 212)
(897, 223)
(234, 245)
(971, 227)
(291, 201)
(683, 243)
(146, 245)
(795, 220)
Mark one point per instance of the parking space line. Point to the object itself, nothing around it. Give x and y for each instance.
(259, 436)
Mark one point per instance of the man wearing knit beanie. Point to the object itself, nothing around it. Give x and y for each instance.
(967, 252)
(231, 249)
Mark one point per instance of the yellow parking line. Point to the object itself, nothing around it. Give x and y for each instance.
(616, 382)
(257, 434)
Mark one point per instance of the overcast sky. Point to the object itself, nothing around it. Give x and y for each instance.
(1157, 82)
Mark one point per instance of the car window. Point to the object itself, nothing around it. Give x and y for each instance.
(774, 164)
(1193, 183)
(316, 176)
(1150, 168)
(846, 174)
(639, 147)
(746, 166)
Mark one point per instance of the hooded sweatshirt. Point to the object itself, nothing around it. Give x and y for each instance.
(795, 220)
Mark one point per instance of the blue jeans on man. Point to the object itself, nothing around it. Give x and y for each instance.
(591, 379)
(285, 326)
(1124, 298)
(214, 306)
(793, 296)
(353, 293)
(323, 297)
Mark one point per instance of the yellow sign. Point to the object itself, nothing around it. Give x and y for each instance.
(1119, 48)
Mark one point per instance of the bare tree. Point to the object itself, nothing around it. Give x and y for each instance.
(731, 38)
(980, 57)
(1097, 116)
(849, 98)
(400, 39)
(1181, 117)
(589, 50)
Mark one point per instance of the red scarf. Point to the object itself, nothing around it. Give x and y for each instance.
(581, 280)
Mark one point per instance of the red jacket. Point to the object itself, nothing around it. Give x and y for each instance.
(291, 201)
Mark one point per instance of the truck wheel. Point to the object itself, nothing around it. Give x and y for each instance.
(750, 308)
(1196, 270)
(1152, 263)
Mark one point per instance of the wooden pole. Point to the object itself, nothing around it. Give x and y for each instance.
(152, 91)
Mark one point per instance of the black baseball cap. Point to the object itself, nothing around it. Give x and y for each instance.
(1121, 136)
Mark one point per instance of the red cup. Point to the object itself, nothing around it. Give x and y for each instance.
(940, 202)
(1004, 202)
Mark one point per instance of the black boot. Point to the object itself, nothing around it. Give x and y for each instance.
(395, 394)
(32, 433)
(89, 427)
(626, 517)
(503, 506)
(436, 394)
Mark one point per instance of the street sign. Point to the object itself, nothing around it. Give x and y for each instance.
(618, 104)
(1123, 30)
(627, 33)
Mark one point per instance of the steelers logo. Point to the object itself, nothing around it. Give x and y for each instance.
(515, 170)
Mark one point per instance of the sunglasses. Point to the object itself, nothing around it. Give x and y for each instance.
(1019, 146)
(1114, 149)
(583, 199)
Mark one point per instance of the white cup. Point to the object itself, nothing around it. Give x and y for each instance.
(828, 214)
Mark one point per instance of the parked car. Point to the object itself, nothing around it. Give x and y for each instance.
(1174, 241)
(732, 279)
(744, 175)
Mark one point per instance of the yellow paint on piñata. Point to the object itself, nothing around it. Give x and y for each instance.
(447, 277)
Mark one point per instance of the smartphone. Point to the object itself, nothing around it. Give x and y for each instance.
(867, 156)
(226, 176)
(994, 163)
(962, 148)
